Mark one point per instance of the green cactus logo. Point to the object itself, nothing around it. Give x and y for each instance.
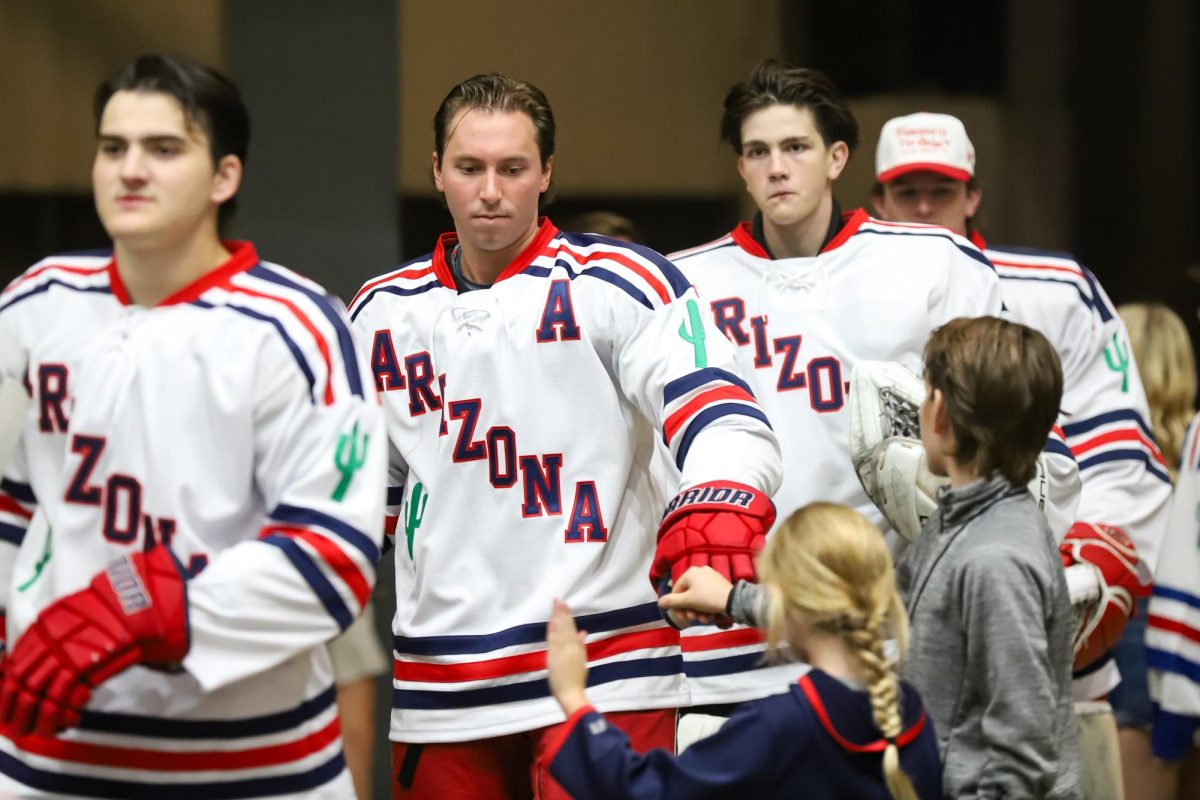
(414, 514)
(348, 458)
(1116, 356)
(42, 561)
(695, 337)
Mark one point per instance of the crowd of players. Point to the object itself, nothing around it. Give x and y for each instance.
(567, 427)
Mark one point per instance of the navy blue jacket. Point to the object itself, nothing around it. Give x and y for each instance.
(817, 741)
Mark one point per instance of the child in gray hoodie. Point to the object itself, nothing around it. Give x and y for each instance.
(983, 583)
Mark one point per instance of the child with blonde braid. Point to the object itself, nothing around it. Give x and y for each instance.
(848, 729)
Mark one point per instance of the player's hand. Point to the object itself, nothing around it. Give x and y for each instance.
(700, 596)
(1111, 553)
(134, 612)
(719, 524)
(566, 659)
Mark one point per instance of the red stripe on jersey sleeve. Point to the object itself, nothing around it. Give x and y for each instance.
(10, 506)
(1173, 626)
(415, 272)
(680, 417)
(718, 641)
(24, 279)
(1132, 435)
(657, 285)
(332, 555)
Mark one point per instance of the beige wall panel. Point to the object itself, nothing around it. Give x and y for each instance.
(52, 55)
(636, 86)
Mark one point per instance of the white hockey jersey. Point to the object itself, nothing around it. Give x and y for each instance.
(874, 293)
(1173, 621)
(1106, 425)
(523, 419)
(235, 423)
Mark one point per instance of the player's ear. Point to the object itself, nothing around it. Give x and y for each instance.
(226, 179)
(941, 417)
(546, 170)
(437, 173)
(877, 202)
(974, 198)
(839, 155)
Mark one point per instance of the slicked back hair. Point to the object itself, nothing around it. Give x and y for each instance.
(775, 82)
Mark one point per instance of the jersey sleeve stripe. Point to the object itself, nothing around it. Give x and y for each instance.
(599, 273)
(396, 290)
(407, 273)
(534, 661)
(1125, 455)
(1126, 435)
(1174, 626)
(12, 301)
(344, 339)
(741, 637)
(709, 415)
(1076, 428)
(288, 341)
(933, 231)
(316, 579)
(332, 555)
(1178, 595)
(694, 380)
(34, 274)
(12, 534)
(10, 506)
(21, 492)
(1058, 448)
(677, 420)
(310, 517)
(583, 259)
(395, 495)
(322, 345)
(465, 644)
(531, 690)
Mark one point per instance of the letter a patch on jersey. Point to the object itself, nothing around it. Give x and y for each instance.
(349, 457)
(558, 317)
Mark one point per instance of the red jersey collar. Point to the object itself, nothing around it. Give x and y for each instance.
(242, 257)
(875, 746)
(743, 234)
(447, 241)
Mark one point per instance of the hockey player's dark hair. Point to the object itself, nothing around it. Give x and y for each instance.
(1002, 385)
(208, 99)
(494, 92)
(773, 83)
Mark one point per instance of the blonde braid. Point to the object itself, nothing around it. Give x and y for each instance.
(866, 642)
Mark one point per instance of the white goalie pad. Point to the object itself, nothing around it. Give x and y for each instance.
(14, 400)
(885, 446)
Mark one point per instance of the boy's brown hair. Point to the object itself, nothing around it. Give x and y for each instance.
(1002, 385)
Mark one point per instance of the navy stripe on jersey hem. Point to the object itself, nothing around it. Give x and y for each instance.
(86, 786)
(105, 289)
(297, 353)
(533, 690)
(970, 251)
(594, 272)
(694, 380)
(708, 415)
(535, 632)
(1178, 595)
(21, 492)
(397, 290)
(724, 666)
(13, 534)
(160, 728)
(321, 301)
(1072, 429)
(297, 515)
(395, 495)
(1172, 662)
(316, 579)
(1126, 455)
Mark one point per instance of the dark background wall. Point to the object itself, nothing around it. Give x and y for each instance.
(1085, 119)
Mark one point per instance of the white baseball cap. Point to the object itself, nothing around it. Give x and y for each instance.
(924, 142)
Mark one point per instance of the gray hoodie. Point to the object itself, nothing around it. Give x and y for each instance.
(991, 644)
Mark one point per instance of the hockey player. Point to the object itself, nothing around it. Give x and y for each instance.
(195, 508)
(805, 292)
(527, 374)
(925, 172)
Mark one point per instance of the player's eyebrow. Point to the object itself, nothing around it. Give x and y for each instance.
(156, 138)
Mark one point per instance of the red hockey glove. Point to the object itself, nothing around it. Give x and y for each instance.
(720, 524)
(134, 612)
(1100, 622)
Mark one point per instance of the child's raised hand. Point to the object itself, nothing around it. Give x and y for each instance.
(566, 659)
(700, 595)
